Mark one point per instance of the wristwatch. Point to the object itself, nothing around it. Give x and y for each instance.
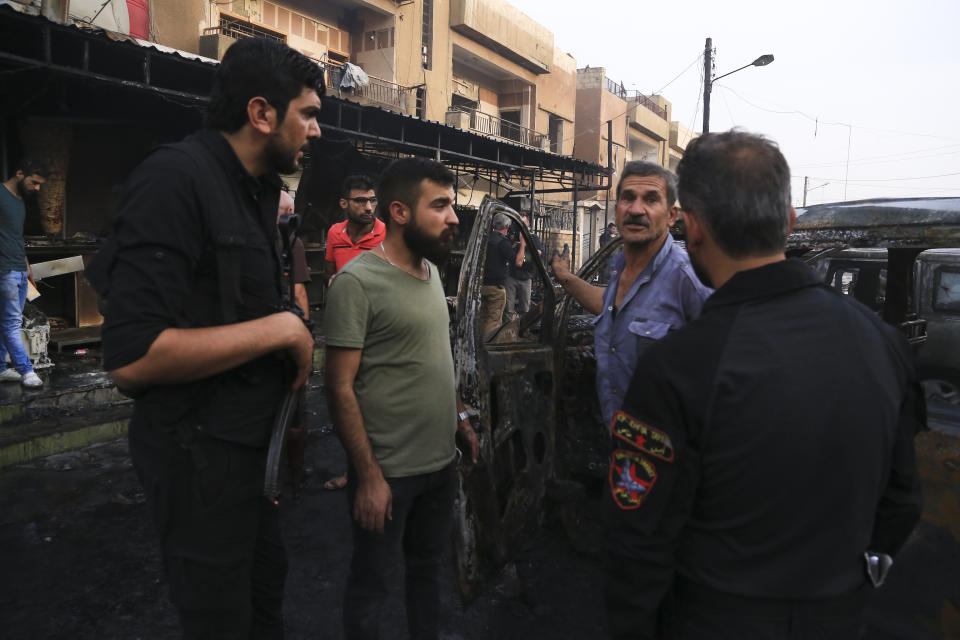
(463, 415)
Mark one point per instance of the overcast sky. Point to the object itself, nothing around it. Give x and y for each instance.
(890, 70)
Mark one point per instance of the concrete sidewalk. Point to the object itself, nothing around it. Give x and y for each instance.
(77, 406)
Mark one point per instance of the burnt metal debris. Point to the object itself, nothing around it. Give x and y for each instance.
(889, 223)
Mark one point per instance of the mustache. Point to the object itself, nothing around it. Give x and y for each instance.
(640, 220)
(450, 233)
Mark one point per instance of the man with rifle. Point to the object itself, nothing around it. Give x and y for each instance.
(194, 332)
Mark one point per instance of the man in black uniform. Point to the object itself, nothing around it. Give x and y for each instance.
(194, 332)
(500, 255)
(765, 447)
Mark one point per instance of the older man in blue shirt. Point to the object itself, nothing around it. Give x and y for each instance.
(652, 289)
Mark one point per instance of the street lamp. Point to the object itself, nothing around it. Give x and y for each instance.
(762, 61)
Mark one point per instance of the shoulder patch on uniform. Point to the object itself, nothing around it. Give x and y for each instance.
(631, 478)
(642, 436)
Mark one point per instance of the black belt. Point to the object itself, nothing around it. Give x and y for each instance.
(702, 596)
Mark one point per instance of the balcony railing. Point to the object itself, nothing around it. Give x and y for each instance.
(381, 91)
(238, 29)
(498, 127)
(617, 89)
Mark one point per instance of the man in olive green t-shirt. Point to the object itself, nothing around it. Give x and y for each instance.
(392, 393)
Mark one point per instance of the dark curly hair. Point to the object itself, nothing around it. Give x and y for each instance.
(401, 181)
(259, 67)
(32, 167)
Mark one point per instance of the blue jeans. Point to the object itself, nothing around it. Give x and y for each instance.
(13, 295)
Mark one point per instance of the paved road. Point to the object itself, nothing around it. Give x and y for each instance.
(78, 559)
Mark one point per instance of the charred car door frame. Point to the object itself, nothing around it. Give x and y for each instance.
(508, 380)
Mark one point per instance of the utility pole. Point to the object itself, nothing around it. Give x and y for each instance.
(708, 78)
(574, 239)
(707, 83)
(806, 179)
(606, 200)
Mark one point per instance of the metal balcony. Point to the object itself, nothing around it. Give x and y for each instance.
(380, 91)
(239, 30)
(621, 92)
(499, 128)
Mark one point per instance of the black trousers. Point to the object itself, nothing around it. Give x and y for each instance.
(219, 537)
(701, 613)
(695, 623)
(416, 539)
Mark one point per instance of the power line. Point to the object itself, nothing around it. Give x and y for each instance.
(894, 187)
(617, 117)
(891, 157)
(676, 77)
(941, 175)
(696, 109)
(729, 112)
(842, 124)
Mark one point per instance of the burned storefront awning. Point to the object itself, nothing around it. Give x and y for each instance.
(53, 70)
(362, 139)
(90, 104)
(95, 103)
(378, 131)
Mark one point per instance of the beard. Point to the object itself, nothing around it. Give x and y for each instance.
(360, 218)
(25, 193)
(433, 249)
(279, 158)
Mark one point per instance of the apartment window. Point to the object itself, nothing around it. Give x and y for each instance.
(421, 103)
(556, 134)
(426, 38)
(463, 103)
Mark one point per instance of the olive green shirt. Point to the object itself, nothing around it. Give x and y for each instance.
(405, 384)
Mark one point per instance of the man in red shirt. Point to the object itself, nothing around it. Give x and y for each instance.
(361, 231)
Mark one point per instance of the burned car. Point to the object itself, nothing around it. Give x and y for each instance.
(532, 384)
(901, 258)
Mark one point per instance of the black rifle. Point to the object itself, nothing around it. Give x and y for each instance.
(288, 224)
